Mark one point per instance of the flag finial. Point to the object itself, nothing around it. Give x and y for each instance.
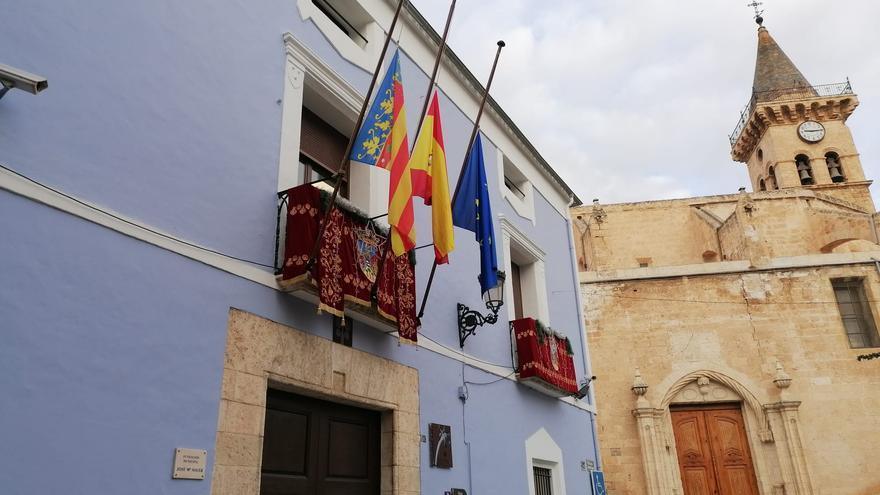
(759, 12)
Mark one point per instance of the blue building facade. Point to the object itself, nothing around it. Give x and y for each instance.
(138, 201)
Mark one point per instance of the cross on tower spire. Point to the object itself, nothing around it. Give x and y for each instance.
(758, 11)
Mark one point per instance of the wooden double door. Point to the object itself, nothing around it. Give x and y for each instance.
(315, 447)
(713, 450)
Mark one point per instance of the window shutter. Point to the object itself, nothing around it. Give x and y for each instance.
(321, 142)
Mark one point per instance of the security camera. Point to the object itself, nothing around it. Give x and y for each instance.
(585, 388)
(10, 77)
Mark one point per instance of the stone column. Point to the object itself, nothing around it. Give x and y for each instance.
(821, 175)
(791, 423)
(789, 444)
(787, 174)
(648, 439)
(653, 450)
(851, 167)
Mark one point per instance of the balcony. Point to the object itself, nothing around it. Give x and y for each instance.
(352, 270)
(543, 358)
(784, 95)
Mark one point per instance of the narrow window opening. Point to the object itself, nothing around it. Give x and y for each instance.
(543, 481)
(511, 185)
(771, 172)
(858, 322)
(805, 171)
(342, 19)
(762, 186)
(760, 155)
(516, 284)
(514, 180)
(835, 170)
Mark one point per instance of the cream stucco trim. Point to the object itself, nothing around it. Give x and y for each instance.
(156, 237)
(525, 206)
(421, 49)
(455, 84)
(303, 67)
(533, 277)
(542, 451)
(364, 57)
(261, 353)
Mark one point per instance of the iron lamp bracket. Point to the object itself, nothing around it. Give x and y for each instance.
(469, 320)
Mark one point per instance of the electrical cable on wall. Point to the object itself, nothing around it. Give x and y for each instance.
(213, 251)
(133, 224)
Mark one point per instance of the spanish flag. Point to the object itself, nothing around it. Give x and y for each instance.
(428, 165)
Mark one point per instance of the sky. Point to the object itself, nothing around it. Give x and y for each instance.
(633, 100)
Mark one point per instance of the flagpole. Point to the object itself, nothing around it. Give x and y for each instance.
(474, 132)
(421, 120)
(434, 73)
(340, 174)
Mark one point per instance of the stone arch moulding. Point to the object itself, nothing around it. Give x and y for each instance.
(832, 149)
(779, 460)
(656, 436)
(747, 397)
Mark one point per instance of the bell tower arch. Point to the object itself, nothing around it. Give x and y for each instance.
(796, 131)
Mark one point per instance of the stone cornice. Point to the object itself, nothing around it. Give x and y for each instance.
(787, 405)
(728, 267)
(770, 113)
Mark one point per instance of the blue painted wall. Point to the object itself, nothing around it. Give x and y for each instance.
(167, 113)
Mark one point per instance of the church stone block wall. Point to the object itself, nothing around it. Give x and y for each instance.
(741, 326)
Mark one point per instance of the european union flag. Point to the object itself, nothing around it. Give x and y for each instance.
(379, 119)
(471, 210)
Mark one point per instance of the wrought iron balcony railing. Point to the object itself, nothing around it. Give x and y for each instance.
(789, 94)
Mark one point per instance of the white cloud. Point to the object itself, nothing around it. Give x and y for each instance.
(632, 100)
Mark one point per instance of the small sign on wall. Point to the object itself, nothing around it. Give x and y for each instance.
(189, 464)
(440, 445)
(598, 481)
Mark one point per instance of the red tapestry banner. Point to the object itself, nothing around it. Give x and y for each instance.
(543, 355)
(348, 262)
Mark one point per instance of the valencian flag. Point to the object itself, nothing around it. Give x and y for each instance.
(428, 165)
(382, 141)
(471, 210)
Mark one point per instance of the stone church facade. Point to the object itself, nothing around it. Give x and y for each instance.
(725, 330)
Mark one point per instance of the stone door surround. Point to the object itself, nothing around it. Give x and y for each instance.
(773, 431)
(261, 353)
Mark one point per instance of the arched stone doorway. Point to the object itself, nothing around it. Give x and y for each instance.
(771, 430)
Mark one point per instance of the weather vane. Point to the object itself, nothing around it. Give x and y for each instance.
(758, 11)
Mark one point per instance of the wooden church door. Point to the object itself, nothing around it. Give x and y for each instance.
(713, 451)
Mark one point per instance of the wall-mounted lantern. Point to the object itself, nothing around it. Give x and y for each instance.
(469, 320)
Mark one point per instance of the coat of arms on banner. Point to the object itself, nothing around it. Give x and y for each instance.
(368, 246)
(554, 351)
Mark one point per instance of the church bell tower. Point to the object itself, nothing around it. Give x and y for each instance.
(793, 134)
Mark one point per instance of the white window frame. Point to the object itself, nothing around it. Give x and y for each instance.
(542, 451)
(523, 206)
(363, 56)
(530, 257)
(368, 186)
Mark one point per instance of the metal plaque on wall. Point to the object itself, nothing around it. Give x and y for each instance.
(189, 464)
(440, 445)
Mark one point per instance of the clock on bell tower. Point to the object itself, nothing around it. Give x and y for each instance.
(794, 134)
